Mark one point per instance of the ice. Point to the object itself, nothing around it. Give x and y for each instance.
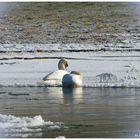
(25, 126)
(73, 47)
(60, 137)
(24, 65)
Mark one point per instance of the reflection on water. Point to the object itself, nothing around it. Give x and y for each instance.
(66, 95)
(71, 95)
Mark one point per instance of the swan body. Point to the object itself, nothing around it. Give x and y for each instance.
(55, 78)
(61, 77)
(74, 79)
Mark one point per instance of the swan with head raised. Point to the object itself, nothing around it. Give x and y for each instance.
(62, 77)
(55, 78)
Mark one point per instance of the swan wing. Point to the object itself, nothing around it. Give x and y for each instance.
(55, 78)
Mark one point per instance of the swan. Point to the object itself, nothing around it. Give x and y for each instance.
(62, 77)
(74, 79)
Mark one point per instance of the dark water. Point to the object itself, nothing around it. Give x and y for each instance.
(87, 112)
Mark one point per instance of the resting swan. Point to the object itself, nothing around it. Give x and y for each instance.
(62, 77)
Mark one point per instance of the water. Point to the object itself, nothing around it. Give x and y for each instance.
(80, 113)
(106, 106)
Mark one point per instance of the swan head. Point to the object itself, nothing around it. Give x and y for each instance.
(76, 73)
(62, 64)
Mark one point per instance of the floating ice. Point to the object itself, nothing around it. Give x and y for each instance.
(11, 126)
(60, 137)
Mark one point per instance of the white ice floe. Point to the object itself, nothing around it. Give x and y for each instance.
(12, 126)
(60, 137)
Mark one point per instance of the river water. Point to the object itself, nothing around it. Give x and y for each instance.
(79, 113)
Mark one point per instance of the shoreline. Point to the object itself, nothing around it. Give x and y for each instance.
(60, 22)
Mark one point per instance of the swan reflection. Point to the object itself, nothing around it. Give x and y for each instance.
(66, 95)
(72, 95)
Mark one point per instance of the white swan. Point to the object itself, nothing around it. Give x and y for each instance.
(62, 77)
(74, 79)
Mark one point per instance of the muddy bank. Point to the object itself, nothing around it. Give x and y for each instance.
(94, 22)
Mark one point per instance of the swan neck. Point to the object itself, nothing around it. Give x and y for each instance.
(61, 66)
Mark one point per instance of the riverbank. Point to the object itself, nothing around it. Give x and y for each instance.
(96, 23)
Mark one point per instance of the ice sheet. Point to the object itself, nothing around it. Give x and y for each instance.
(99, 68)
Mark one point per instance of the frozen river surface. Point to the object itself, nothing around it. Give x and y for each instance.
(106, 106)
(26, 65)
